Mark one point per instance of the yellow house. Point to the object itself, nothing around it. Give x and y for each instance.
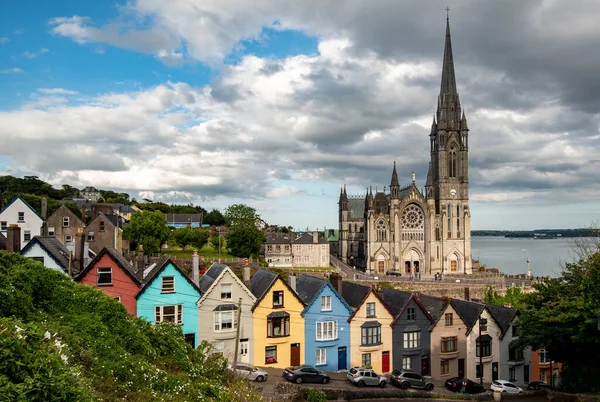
(278, 325)
(371, 334)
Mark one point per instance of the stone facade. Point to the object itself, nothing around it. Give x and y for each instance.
(63, 224)
(278, 252)
(308, 250)
(412, 231)
(101, 232)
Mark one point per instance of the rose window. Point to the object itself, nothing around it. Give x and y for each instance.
(412, 217)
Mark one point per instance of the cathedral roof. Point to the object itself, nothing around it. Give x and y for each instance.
(356, 208)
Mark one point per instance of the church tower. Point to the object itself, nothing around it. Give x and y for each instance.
(447, 187)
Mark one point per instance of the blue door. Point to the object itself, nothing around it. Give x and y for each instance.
(342, 358)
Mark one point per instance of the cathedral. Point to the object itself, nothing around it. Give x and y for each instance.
(414, 232)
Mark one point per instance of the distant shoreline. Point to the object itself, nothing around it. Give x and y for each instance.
(538, 233)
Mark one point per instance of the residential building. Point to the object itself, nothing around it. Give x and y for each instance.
(169, 295)
(310, 250)
(405, 229)
(449, 342)
(90, 194)
(278, 251)
(333, 238)
(63, 224)
(221, 292)
(184, 220)
(111, 273)
(105, 231)
(326, 327)
(410, 331)
(49, 251)
(278, 323)
(543, 368)
(370, 329)
(20, 213)
(483, 342)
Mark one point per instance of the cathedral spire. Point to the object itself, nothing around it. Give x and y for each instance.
(448, 86)
(394, 177)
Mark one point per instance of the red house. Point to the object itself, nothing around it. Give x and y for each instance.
(114, 275)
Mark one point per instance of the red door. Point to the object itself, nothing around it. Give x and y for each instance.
(385, 362)
(295, 354)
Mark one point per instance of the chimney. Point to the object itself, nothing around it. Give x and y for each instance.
(83, 213)
(44, 207)
(292, 281)
(13, 238)
(79, 250)
(246, 276)
(140, 258)
(336, 281)
(315, 237)
(196, 268)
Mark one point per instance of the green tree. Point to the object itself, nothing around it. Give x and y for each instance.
(240, 214)
(215, 217)
(148, 228)
(183, 237)
(562, 317)
(199, 238)
(218, 242)
(514, 296)
(245, 240)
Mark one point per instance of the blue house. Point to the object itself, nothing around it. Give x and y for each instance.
(326, 327)
(169, 295)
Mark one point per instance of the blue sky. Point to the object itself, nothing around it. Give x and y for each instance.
(278, 105)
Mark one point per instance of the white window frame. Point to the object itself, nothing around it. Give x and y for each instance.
(20, 217)
(117, 298)
(65, 222)
(159, 313)
(26, 235)
(218, 320)
(226, 291)
(51, 231)
(406, 363)
(105, 270)
(3, 226)
(68, 238)
(90, 235)
(371, 312)
(325, 303)
(321, 357)
(412, 340)
(167, 284)
(326, 330)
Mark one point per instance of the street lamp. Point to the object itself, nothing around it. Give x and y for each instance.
(528, 263)
(482, 327)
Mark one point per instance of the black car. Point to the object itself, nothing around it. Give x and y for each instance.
(455, 384)
(393, 273)
(300, 374)
(537, 385)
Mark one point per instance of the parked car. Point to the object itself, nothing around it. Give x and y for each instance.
(394, 273)
(455, 384)
(300, 374)
(363, 376)
(506, 386)
(250, 372)
(536, 385)
(409, 379)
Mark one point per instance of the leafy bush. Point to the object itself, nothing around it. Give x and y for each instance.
(314, 395)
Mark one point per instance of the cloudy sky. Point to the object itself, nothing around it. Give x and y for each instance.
(277, 104)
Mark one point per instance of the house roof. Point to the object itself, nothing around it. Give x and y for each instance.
(395, 299)
(118, 259)
(117, 220)
(262, 281)
(378, 297)
(63, 207)
(183, 218)
(53, 247)
(215, 273)
(2, 242)
(434, 305)
(154, 274)
(26, 204)
(468, 311)
(307, 238)
(310, 287)
(354, 293)
(503, 316)
(331, 234)
(277, 240)
(210, 276)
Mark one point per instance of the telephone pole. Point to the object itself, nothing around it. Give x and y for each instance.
(237, 335)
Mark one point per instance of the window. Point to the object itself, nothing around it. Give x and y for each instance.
(544, 358)
(4, 226)
(486, 348)
(269, 249)
(452, 162)
(515, 332)
(225, 320)
(68, 238)
(90, 235)
(39, 259)
(244, 346)
(515, 354)
(458, 222)
(65, 221)
(381, 231)
(448, 319)
(104, 276)
(321, 357)
(412, 340)
(51, 231)
(286, 248)
(371, 310)
(278, 326)
(271, 354)
(190, 339)
(21, 217)
(512, 374)
(449, 221)
(102, 226)
(278, 298)
(325, 303)
(327, 330)
(226, 291)
(169, 314)
(449, 344)
(410, 314)
(366, 360)
(168, 284)
(371, 336)
(406, 363)
(27, 235)
(479, 371)
(117, 298)
(445, 367)
(543, 375)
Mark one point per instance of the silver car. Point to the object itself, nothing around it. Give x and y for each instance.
(362, 376)
(250, 372)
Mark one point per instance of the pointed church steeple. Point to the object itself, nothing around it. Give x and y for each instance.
(394, 177)
(448, 86)
(448, 112)
(463, 123)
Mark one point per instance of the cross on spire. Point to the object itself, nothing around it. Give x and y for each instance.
(447, 13)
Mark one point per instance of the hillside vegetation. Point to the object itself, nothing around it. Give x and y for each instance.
(64, 341)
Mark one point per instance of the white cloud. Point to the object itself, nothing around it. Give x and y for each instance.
(33, 55)
(15, 70)
(4, 40)
(57, 91)
(281, 192)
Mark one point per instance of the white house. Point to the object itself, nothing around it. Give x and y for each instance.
(515, 365)
(49, 251)
(22, 214)
(490, 348)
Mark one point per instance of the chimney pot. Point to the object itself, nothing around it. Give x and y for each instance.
(246, 276)
(44, 207)
(196, 268)
(292, 281)
(13, 238)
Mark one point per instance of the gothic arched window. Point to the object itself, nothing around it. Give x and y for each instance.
(381, 230)
(452, 162)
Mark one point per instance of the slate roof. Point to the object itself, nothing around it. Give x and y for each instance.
(210, 276)
(435, 305)
(353, 293)
(395, 300)
(2, 242)
(307, 238)
(117, 220)
(277, 240)
(356, 208)
(26, 204)
(154, 273)
(307, 286)
(468, 311)
(503, 316)
(261, 282)
(53, 247)
(183, 218)
(119, 259)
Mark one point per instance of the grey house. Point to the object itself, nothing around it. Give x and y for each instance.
(410, 331)
(220, 292)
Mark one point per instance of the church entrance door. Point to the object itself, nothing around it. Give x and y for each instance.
(381, 267)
